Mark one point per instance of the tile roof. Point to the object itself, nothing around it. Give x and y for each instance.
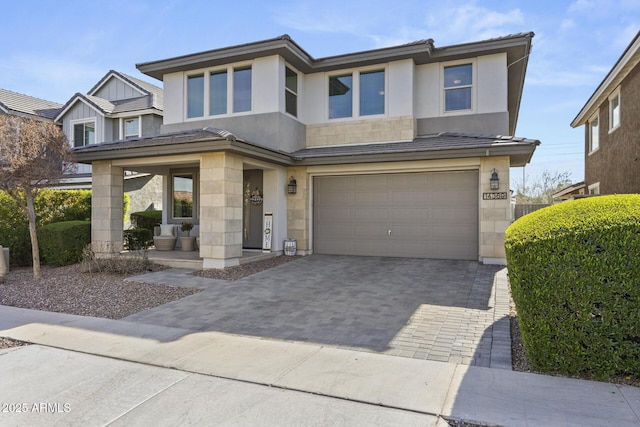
(25, 104)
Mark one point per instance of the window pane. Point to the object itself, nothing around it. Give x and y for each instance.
(242, 89)
(372, 93)
(340, 99)
(195, 96)
(183, 196)
(78, 135)
(457, 99)
(131, 128)
(291, 81)
(595, 134)
(458, 75)
(89, 133)
(218, 93)
(615, 112)
(291, 103)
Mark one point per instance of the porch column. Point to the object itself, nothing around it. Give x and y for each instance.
(107, 207)
(220, 209)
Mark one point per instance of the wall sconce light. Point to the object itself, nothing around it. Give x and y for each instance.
(292, 188)
(494, 181)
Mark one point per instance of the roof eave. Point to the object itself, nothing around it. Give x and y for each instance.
(627, 61)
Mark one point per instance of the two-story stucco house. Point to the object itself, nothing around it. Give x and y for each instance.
(399, 151)
(611, 118)
(118, 107)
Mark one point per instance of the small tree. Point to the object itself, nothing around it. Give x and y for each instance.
(542, 188)
(33, 154)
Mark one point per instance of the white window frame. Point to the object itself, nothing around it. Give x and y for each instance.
(122, 126)
(355, 96)
(72, 132)
(615, 95)
(594, 147)
(287, 90)
(594, 189)
(473, 86)
(230, 68)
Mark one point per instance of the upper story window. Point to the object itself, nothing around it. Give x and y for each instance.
(131, 128)
(594, 133)
(208, 93)
(84, 133)
(195, 96)
(614, 110)
(291, 92)
(594, 189)
(369, 94)
(458, 82)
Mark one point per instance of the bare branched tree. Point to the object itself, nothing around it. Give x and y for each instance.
(33, 154)
(542, 188)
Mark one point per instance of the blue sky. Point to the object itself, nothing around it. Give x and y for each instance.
(52, 50)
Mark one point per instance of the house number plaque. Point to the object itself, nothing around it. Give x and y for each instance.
(494, 196)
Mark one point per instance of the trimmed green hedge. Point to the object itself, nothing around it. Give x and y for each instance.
(138, 238)
(62, 243)
(574, 270)
(146, 219)
(50, 206)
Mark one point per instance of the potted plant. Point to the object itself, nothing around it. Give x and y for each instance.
(186, 227)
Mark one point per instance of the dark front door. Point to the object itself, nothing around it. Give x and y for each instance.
(252, 209)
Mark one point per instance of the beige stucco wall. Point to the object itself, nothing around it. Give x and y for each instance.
(298, 210)
(361, 131)
(495, 215)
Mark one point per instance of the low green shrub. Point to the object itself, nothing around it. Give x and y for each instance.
(146, 219)
(138, 238)
(62, 243)
(575, 280)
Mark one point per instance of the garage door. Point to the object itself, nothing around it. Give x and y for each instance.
(423, 215)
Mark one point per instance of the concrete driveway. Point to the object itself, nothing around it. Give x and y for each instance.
(450, 311)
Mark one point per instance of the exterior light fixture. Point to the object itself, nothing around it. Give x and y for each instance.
(494, 181)
(292, 188)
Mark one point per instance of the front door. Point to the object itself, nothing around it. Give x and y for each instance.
(252, 209)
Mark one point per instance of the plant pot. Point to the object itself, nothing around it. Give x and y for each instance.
(187, 243)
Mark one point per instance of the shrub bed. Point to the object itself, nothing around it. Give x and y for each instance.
(575, 280)
(138, 238)
(62, 243)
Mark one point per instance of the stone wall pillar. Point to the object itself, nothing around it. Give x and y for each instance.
(495, 215)
(107, 208)
(298, 210)
(220, 209)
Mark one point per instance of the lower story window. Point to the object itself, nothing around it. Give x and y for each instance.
(183, 195)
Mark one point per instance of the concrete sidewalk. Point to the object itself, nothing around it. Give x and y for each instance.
(422, 387)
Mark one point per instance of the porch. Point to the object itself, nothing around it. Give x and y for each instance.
(192, 259)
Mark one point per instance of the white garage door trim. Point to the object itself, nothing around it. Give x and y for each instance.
(409, 214)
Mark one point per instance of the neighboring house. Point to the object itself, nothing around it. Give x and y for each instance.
(118, 107)
(570, 192)
(611, 118)
(388, 152)
(17, 104)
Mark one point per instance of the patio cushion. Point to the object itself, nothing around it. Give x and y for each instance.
(166, 230)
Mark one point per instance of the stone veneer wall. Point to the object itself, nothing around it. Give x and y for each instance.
(220, 209)
(361, 131)
(106, 208)
(298, 210)
(495, 215)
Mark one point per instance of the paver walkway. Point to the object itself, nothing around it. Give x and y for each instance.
(450, 311)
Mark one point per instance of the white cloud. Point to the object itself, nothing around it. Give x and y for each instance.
(567, 24)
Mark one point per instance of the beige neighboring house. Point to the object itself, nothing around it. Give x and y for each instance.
(402, 151)
(18, 104)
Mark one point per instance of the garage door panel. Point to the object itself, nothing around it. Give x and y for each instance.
(430, 215)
